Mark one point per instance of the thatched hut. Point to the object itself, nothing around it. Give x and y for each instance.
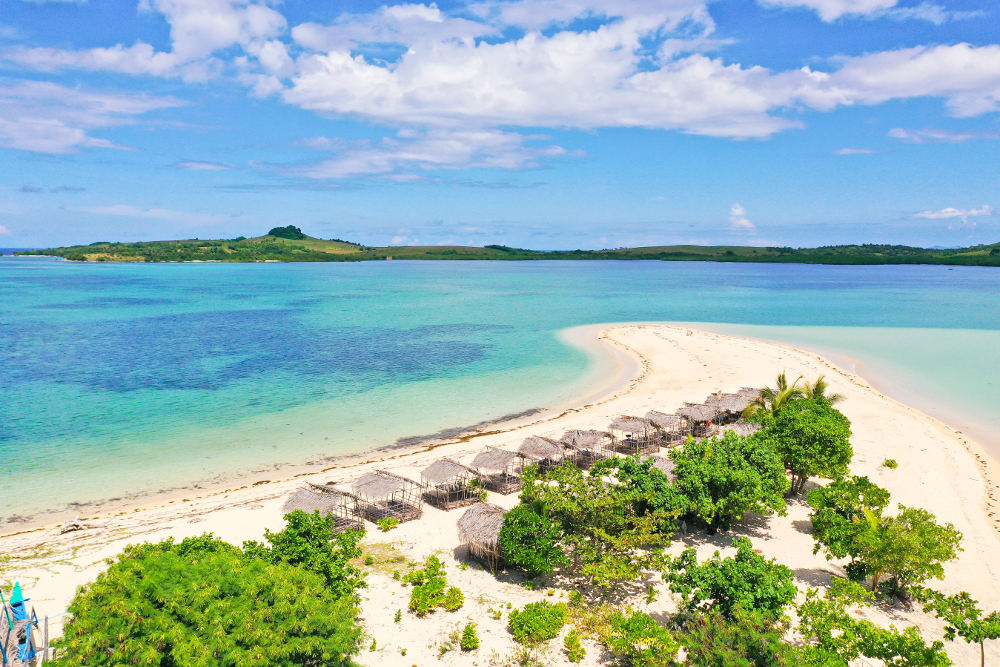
(587, 447)
(382, 494)
(664, 465)
(498, 470)
(543, 451)
(701, 417)
(479, 530)
(731, 406)
(328, 500)
(740, 428)
(634, 435)
(673, 428)
(449, 484)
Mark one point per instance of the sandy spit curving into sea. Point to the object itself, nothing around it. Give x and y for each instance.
(643, 366)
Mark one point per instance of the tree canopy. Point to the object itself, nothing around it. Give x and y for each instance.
(289, 232)
(813, 439)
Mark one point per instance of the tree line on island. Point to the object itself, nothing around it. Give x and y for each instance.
(600, 536)
(290, 244)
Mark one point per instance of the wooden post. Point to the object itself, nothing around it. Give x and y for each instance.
(45, 641)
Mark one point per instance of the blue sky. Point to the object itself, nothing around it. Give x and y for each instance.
(535, 123)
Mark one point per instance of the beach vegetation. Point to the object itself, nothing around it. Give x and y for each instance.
(724, 478)
(891, 464)
(745, 581)
(962, 617)
(741, 639)
(288, 232)
(839, 511)
(470, 638)
(772, 400)
(833, 633)
(431, 590)
(817, 390)
(204, 601)
(813, 439)
(537, 622)
(309, 541)
(387, 523)
(530, 541)
(641, 640)
(574, 647)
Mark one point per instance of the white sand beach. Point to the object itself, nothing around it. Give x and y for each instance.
(650, 366)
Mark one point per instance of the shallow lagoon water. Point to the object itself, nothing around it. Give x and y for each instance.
(123, 378)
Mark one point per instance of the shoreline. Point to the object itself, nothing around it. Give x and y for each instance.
(659, 366)
(611, 368)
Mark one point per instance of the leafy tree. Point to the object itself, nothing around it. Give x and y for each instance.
(817, 390)
(202, 602)
(309, 541)
(290, 232)
(531, 541)
(907, 548)
(642, 640)
(653, 494)
(963, 618)
(747, 639)
(747, 581)
(537, 622)
(725, 478)
(773, 399)
(828, 627)
(604, 538)
(813, 439)
(838, 518)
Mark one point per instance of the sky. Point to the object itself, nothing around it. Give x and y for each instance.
(531, 123)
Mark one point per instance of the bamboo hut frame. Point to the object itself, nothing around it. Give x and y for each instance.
(498, 470)
(673, 428)
(701, 417)
(382, 494)
(587, 447)
(448, 484)
(479, 530)
(542, 451)
(635, 435)
(329, 501)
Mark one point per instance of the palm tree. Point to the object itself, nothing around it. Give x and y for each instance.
(771, 400)
(817, 390)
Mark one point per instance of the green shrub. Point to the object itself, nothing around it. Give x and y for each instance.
(640, 639)
(747, 580)
(386, 524)
(530, 541)
(290, 232)
(430, 589)
(748, 639)
(574, 649)
(890, 463)
(470, 639)
(537, 622)
(203, 601)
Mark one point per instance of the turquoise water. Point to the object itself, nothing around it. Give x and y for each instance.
(120, 378)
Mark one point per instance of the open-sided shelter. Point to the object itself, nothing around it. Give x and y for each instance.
(543, 451)
(587, 447)
(634, 435)
(673, 428)
(498, 470)
(382, 494)
(449, 484)
(701, 417)
(329, 501)
(479, 530)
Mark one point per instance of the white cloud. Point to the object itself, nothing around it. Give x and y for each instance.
(170, 215)
(831, 10)
(428, 150)
(963, 213)
(848, 150)
(48, 118)
(934, 135)
(738, 219)
(4, 230)
(196, 165)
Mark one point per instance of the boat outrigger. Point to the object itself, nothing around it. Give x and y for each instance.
(17, 644)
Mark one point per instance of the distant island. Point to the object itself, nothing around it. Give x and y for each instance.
(290, 244)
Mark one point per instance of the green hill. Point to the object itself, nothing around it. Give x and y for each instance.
(284, 245)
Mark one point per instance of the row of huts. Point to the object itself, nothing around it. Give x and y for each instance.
(447, 483)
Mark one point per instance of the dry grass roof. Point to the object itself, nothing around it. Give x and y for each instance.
(584, 439)
(632, 425)
(699, 412)
(481, 524)
(537, 447)
(379, 484)
(665, 421)
(444, 470)
(312, 498)
(742, 428)
(729, 402)
(494, 459)
(663, 464)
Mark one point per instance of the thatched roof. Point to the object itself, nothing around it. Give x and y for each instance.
(537, 447)
(699, 412)
(729, 402)
(312, 498)
(584, 439)
(444, 470)
(749, 392)
(481, 524)
(663, 464)
(379, 484)
(493, 459)
(665, 421)
(632, 425)
(742, 428)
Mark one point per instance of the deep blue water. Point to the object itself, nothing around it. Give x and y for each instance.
(119, 378)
